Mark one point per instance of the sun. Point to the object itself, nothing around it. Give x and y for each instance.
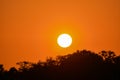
(64, 40)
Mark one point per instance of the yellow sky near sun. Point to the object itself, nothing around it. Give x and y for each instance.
(29, 28)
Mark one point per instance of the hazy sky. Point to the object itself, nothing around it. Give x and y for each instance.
(29, 28)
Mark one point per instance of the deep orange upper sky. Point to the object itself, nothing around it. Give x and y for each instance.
(29, 28)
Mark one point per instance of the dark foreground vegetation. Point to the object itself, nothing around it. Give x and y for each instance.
(80, 65)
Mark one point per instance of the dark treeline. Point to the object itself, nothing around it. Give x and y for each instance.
(80, 65)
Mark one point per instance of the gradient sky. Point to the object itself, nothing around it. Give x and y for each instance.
(29, 28)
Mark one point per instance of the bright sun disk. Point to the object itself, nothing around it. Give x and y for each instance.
(64, 40)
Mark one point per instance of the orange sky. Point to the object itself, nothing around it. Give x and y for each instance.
(29, 28)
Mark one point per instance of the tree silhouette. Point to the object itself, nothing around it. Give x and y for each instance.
(108, 56)
(80, 65)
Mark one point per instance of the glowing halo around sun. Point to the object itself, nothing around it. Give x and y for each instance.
(64, 40)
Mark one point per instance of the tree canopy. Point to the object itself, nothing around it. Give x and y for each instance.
(80, 65)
